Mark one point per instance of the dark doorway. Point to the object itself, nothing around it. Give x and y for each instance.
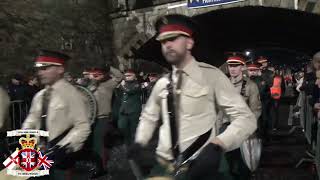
(284, 36)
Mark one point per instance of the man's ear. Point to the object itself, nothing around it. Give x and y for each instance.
(61, 69)
(190, 43)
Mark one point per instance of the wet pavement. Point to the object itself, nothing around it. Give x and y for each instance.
(278, 162)
(284, 151)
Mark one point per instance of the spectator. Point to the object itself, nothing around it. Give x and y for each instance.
(16, 88)
(300, 81)
(31, 89)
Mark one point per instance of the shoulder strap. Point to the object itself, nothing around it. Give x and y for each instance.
(44, 112)
(172, 118)
(45, 107)
(243, 87)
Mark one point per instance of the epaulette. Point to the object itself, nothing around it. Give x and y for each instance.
(205, 65)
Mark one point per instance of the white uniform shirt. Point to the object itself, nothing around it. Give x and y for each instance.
(203, 88)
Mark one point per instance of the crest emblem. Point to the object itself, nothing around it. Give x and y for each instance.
(28, 161)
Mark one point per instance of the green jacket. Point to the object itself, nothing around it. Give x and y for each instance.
(130, 98)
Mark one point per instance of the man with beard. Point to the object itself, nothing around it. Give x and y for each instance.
(254, 74)
(60, 109)
(253, 70)
(267, 80)
(130, 106)
(266, 75)
(188, 99)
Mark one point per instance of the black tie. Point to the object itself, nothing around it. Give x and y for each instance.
(45, 105)
(179, 82)
(44, 112)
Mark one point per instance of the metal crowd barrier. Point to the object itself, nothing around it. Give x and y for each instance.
(306, 116)
(18, 112)
(306, 120)
(309, 119)
(301, 104)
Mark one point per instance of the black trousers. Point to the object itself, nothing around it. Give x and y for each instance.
(266, 117)
(275, 110)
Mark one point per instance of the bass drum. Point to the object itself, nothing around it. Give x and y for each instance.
(251, 152)
(91, 102)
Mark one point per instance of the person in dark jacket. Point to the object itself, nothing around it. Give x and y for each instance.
(130, 106)
(309, 80)
(31, 89)
(267, 80)
(16, 88)
(18, 94)
(316, 86)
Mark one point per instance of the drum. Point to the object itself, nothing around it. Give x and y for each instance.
(91, 102)
(251, 152)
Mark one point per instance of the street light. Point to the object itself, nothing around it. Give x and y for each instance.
(247, 53)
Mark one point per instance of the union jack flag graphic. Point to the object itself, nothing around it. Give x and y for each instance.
(44, 162)
(28, 160)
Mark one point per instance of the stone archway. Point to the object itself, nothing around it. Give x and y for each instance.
(134, 28)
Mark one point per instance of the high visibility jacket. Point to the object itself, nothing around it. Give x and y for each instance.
(276, 88)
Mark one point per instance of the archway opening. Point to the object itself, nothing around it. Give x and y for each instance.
(282, 35)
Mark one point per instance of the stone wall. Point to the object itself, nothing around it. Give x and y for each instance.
(92, 30)
(133, 28)
(77, 27)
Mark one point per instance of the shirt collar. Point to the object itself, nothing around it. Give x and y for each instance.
(236, 80)
(192, 70)
(58, 84)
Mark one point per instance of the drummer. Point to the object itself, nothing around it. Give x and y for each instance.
(250, 93)
(106, 78)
